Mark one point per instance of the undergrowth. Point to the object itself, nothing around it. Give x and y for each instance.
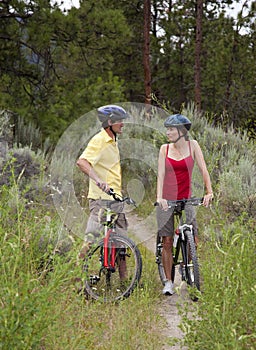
(41, 307)
(224, 315)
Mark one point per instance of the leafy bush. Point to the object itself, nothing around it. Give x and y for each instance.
(237, 188)
(230, 158)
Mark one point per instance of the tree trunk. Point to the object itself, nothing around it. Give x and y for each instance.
(146, 53)
(198, 49)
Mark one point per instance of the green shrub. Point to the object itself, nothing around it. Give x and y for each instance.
(237, 188)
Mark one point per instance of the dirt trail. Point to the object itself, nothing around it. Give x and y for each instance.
(146, 232)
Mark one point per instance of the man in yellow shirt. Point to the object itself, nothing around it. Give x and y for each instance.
(101, 162)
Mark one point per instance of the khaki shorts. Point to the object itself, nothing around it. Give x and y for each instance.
(97, 217)
(165, 220)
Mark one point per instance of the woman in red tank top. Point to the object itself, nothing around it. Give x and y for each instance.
(178, 174)
(175, 167)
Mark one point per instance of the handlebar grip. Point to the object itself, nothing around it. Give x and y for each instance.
(111, 192)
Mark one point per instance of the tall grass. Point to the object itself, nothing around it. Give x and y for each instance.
(224, 317)
(41, 307)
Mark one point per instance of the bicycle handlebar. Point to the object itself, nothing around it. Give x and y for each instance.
(119, 198)
(175, 203)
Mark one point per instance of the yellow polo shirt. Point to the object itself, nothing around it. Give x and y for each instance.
(103, 154)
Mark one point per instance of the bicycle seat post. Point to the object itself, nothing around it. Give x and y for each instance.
(108, 214)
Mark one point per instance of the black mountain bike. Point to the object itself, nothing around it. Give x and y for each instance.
(113, 265)
(184, 248)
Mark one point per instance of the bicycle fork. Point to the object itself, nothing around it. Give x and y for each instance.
(182, 229)
(184, 265)
(109, 253)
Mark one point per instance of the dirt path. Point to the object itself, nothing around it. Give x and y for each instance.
(146, 232)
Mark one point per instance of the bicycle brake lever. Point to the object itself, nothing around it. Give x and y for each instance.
(116, 197)
(131, 201)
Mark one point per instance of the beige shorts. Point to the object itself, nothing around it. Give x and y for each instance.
(165, 220)
(97, 217)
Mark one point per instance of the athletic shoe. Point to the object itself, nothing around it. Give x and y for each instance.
(168, 288)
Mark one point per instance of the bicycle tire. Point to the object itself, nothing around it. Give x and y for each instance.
(159, 247)
(192, 275)
(105, 285)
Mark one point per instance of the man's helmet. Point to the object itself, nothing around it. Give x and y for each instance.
(177, 120)
(112, 112)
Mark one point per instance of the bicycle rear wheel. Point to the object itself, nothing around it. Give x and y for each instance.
(111, 284)
(190, 260)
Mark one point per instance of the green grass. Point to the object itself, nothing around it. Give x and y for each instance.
(224, 317)
(42, 309)
(40, 304)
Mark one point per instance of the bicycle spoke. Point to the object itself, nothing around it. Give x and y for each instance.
(113, 283)
(192, 266)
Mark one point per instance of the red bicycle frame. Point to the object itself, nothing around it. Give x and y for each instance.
(109, 252)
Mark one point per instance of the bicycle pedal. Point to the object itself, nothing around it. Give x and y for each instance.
(111, 269)
(94, 279)
(157, 260)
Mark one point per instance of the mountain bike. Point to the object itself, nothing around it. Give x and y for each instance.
(184, 247)
(113, 265)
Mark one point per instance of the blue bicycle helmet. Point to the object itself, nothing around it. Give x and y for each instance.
(112, 112)
(177, 120)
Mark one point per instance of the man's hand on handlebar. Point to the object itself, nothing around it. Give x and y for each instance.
(117, 197)
(103, 186)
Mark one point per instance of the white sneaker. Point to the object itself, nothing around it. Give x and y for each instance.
(168, 288)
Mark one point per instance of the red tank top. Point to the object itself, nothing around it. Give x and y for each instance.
(177, 179)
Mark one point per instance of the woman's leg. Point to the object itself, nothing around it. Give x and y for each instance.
(167, 256)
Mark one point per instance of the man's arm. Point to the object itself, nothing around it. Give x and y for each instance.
(87, 169)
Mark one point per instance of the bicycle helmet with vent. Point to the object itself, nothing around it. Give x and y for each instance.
(177, 120)
(112, 112)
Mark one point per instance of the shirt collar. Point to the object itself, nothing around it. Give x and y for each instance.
(106, 136)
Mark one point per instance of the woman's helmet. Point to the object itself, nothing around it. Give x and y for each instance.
(112, 112)
(177, 120)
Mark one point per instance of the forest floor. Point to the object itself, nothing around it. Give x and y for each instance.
(145, 232)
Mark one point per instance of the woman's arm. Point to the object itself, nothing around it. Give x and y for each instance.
(199, 158)
(160, 177)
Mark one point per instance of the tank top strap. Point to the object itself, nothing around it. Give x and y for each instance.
(189, 145)
(167, 149)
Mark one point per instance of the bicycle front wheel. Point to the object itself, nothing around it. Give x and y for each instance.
(118, 282)
(190, 260)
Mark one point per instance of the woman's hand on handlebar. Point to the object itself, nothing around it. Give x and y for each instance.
(207, 199)
(163, 204)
